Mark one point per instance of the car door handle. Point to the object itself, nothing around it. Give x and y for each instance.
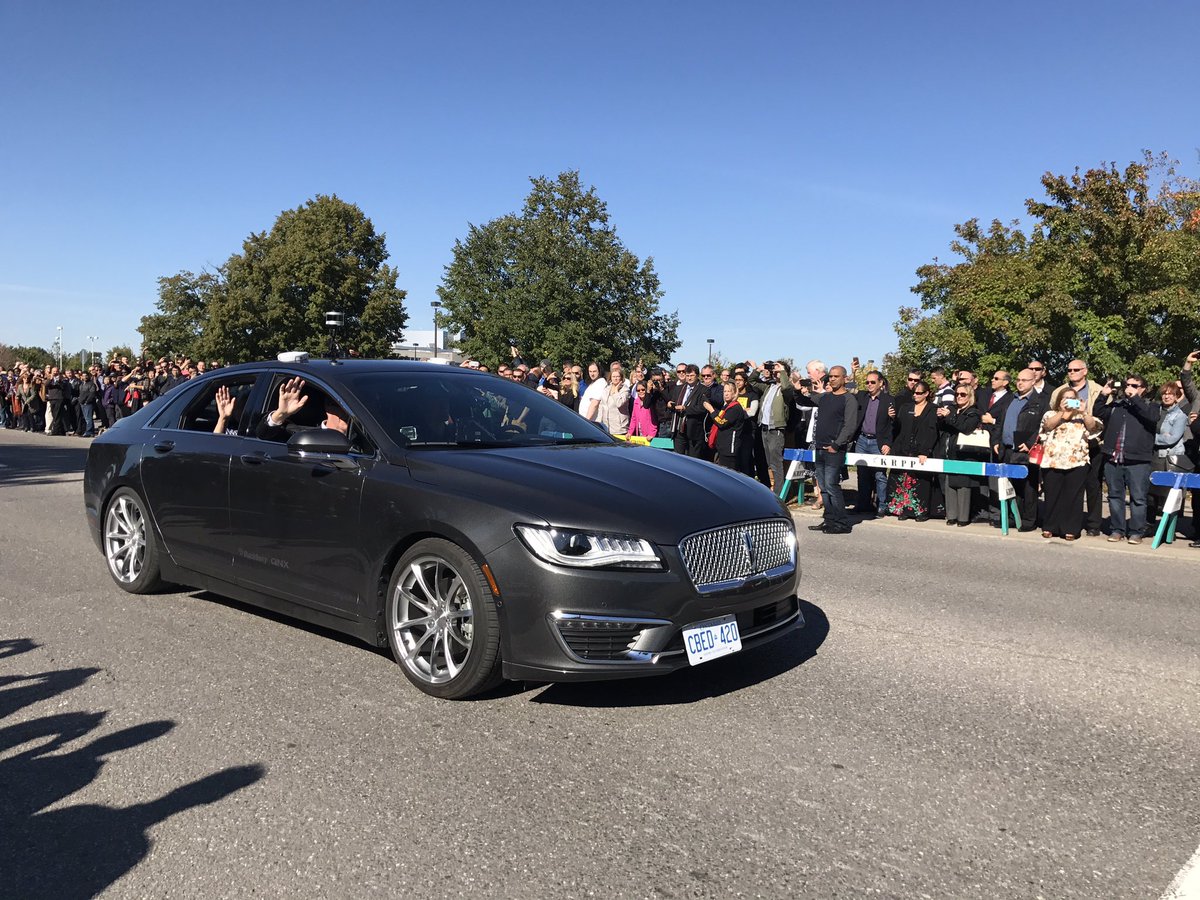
(254, 459)
(164, 446)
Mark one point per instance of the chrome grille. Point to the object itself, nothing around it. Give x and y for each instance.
(737, 552)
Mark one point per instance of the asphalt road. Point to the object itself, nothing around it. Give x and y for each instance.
(965, 716)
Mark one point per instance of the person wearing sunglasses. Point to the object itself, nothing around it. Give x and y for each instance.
(1130, 423)
(962, 418)
(874, 427)
(1015, 434)
(1087, 392)
(916, 435)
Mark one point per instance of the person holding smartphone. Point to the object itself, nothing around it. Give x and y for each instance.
(1065, 432)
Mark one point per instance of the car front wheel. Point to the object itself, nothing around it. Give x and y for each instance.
(442, 624)
(129, 546)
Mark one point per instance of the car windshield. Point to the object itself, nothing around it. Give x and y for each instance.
(428, 409)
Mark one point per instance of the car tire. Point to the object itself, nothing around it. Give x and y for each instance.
(441, 621)
(129, 545)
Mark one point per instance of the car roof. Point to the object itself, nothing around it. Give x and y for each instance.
(337, 370)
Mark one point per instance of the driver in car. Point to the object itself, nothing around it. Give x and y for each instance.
(292, 398)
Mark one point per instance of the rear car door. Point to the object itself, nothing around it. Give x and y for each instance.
(185, 474)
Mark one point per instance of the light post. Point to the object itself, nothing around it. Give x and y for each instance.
(92, 357)
(60, 361)
(710, 343)
(436, 304)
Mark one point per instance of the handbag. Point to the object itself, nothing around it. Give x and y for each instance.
(978, 439)
(1035, 454)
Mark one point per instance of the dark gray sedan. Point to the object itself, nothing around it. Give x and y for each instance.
(476, 527)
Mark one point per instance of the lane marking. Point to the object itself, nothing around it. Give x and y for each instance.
(1186, 885)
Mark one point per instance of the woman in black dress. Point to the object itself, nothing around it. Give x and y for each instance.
(916, 435)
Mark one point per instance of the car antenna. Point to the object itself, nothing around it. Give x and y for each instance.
(334, 321)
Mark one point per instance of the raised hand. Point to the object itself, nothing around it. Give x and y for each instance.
(291, 398)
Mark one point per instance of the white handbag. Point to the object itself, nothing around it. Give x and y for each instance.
(979, 439)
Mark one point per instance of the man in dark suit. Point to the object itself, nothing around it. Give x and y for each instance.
(874, 428)
(1014, 434)
(991, 403)
(686, 405)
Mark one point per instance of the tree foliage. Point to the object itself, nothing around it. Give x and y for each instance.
(323, 256)
(1109, 272)
(34, 356)
(556, 280)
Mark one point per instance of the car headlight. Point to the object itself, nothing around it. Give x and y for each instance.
(589, 549)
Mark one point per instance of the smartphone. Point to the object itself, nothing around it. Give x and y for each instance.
(1073, 404)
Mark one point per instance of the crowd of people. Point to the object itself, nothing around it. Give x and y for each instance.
(1076, 438)
(83, 402)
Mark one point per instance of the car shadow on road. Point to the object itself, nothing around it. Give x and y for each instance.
(77, 850)
(713, 679)
(29, 464)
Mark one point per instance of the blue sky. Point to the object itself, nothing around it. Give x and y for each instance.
(788, 166)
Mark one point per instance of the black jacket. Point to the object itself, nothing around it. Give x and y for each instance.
(882, 427)
(915, 435)
(1139, 419)
(951, 426)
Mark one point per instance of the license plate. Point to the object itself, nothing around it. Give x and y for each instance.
(711, 639)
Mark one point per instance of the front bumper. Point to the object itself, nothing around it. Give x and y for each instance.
(578, 625)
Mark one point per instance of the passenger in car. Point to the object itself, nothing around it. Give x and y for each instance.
(293, 398)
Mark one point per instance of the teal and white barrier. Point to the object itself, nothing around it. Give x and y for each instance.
(1002, 471)
(1178, 482)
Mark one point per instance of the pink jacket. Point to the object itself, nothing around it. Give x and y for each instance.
(641, 420)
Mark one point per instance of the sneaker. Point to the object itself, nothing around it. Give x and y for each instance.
(1134, 539)
(1115, 538)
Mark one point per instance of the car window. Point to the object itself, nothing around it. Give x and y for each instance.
(202, 413)
(431, 410)
(318, 404)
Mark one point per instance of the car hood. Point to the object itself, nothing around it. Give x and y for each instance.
(655, 494)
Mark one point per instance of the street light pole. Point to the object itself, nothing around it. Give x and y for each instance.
(710, 343)
(92, 358)
(60, 361)
(436, 304)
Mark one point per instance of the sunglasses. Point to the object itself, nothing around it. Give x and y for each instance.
(1076, 369)
(709, 375)
(920, 393)
(872, 381)
(912, 379)
(962, 394)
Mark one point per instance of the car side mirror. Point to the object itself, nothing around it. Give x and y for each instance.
(322, 445)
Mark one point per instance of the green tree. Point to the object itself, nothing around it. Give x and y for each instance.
(323, 256)
(117, 351)
(1110, 272)
(176, 328)
(34, 356)
(556, 280)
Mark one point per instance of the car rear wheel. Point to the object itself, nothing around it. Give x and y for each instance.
(442, 623)
(129, 546)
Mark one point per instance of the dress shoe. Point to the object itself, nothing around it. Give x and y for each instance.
(820, 527)
(963, 524)
(1025, 528)
(838, 529)
(1115, 538)
(904, 514)
(952, 522)
(1134, 539)
(1195, 544)
(924, 517)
